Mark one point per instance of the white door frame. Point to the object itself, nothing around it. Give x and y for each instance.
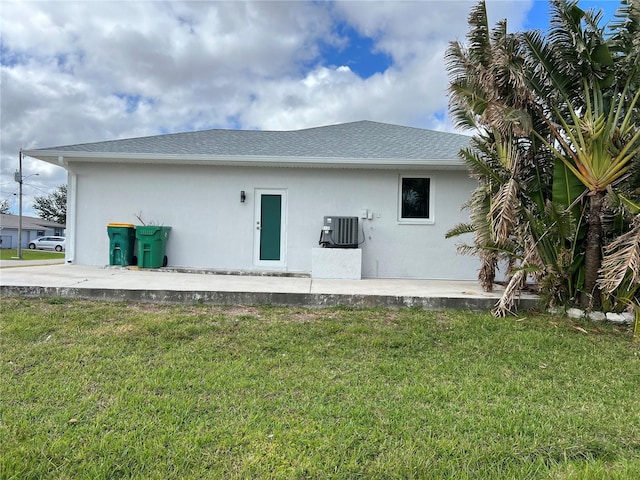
(270, 264)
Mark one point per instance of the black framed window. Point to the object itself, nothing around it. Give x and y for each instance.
(415, 198)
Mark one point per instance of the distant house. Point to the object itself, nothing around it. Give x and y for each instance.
(256, 200)
(32, 227)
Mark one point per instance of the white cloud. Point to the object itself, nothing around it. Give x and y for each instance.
(81, 71)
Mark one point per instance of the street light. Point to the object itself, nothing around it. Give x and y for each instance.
(20, 179)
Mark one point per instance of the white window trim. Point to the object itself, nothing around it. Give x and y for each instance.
(417, 221)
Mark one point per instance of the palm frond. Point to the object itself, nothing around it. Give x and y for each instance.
(629, 205)
(460, 229)
(466, 249)
(483, 234)
(480, 166)
(513, 289)
(621, 259)
(530, 263)
(625, 38)
(564, 224)
(478, 36)
(504, 210)
(547, 79)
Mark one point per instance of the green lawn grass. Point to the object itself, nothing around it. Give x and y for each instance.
(11, 253)
(115, 390)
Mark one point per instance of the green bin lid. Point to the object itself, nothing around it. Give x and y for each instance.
(122, 225)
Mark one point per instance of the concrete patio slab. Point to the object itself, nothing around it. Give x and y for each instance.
(162, 285)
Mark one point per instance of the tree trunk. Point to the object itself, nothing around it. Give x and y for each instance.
(487, 273)
(590, 296)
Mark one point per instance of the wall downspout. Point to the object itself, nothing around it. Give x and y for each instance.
(72, 202)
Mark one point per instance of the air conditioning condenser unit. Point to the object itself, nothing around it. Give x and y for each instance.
(339, 232)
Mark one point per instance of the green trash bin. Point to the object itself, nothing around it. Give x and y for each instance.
(152, 243)
(122, 237)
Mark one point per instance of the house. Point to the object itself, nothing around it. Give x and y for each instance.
(32, 228)
(218, 190)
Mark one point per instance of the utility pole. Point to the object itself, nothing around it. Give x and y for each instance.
(18, 178)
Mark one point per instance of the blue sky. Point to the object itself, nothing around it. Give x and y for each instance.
(360, 55)
(538, 16)
(85, 71)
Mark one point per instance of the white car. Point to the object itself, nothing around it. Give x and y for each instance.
(48, 243)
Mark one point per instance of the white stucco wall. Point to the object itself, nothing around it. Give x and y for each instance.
(211, 228)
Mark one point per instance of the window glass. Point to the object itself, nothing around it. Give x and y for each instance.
(415, 198)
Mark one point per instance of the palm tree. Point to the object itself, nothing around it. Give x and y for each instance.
(587, 89)
(487, 94)
(556, 120)
(511, 214)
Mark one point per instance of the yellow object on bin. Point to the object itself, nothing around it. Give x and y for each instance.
(121, 225)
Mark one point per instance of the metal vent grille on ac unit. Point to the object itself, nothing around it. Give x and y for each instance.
(339, 232)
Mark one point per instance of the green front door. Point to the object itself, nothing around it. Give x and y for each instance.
(270, 226)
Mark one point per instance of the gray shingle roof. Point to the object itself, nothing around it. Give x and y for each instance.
(28, 223)
(358, 140)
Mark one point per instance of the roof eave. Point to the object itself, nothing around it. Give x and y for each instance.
(60, 157)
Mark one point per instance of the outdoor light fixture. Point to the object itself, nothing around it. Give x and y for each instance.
(243, 196)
